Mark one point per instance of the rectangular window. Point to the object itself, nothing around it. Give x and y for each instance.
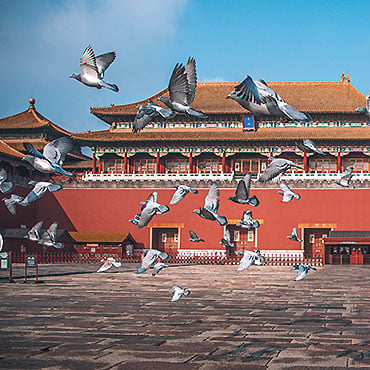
(175, 237)
(312, 238)
(236, 236)
(164, 238)
(250, 235)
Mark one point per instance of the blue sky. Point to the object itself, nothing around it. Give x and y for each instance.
(41, 43)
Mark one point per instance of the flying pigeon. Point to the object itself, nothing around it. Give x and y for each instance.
(49, 237)
(147, 112)
(178, 292)
(181, 88)
(276, 167)
(5, 186)
(345, 178)
(158, 267)
(12, 202)
(181, 191)
(150, 258)
(108, 263)
(211, 204)
(302, 270)
(287, 193)
(242, 192)
(294, 235)
(52, 156)
(308, 146)
(34, 233)
(258, 98)
(247, 221)
(93, 68)
(150, 208)
(194, 237)
(251, 258)
(39, 189)
(226, 240)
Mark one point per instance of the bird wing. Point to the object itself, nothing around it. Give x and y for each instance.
(191, 76)
(242, 190)
(103, 61)
(142, 119)
(347, 174)
(301, 274)
(52, 230)
(31, 149)
(106, 265)
(193, 235)
(227, 235)
(246, 261)
(272, 170)
(177, 293)
(3, 175)
(147, 214)
(158, 267)
(88, 63)
(178, 87)
(178, 195)
(34, 232)
(310, 144)
(211, 202)
(295, 232)
(54, 187)
(56, 150)
(293, 113)
(247, 217)
(248, 91)
(1, 242)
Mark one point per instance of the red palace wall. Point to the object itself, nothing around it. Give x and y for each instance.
(110, 210)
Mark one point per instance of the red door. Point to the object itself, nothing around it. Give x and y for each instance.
(165, 240)
(356, 257)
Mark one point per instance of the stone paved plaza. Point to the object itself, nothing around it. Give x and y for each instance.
(255, 319)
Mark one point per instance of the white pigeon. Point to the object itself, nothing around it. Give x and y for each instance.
(146, 113)
(39, 189)
(287, 193)
(302, 270)
(93, 68)
(52, 156)
(211, 204)
(345, 178)
(12, 202)
(158, 267)
(258, 98)
(294, 235)
(150, 208)
(33, 234)
(276, 167)
(247, 221)
(5, 186)
(108, 263)
(181, 88)
(49, 237)
(150, 258)
(181, 191)
(178, 292)
(250, 258)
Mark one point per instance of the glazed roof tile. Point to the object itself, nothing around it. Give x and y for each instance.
(8, 150)
(315, 96)
(98, 237)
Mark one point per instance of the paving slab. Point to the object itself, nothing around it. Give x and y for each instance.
(260, 318)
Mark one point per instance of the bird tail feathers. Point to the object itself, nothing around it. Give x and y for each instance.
(6, 186)
(109, 86)
(195, 113)
(253, 201)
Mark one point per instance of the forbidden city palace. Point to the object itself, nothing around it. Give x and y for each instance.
(94, 210)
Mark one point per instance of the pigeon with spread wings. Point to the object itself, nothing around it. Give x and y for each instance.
(287, 193)
(181, 191)
(242, 192)
(276, 167)
(345, 178)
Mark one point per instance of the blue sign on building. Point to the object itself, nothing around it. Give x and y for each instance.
(248, 123)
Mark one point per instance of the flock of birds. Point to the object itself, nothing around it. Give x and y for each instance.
(254, 95)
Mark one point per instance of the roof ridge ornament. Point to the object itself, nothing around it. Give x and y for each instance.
(32, 102)
(345, 79)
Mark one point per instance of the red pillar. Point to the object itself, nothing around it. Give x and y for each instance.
(157, 164)
(101, 166)
(93, 163)
(125, 163)
(191, 163)
(223, 162)
(305, 163)
(339, 163)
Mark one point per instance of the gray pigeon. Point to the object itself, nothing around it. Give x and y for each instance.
(33, 234)
(251, 258)
(12, 202)
(308, 146)
(178, 292)
(181, 191)
(108, 263)
(150, 208)
(287, 193)
(181, 88)
(49, 237)
(52, 157)
(136, 219)
(345, 178)
(242, 192)
(302, 270)
(211, 204)
(258, 98)
(294, 235)
(158, 267)
(150, 258)
(39, 189)
(147, 112)
(276, 167)
(5, 186)
(247, 221)
(194, 237)
(93, 68)
(226, 240)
